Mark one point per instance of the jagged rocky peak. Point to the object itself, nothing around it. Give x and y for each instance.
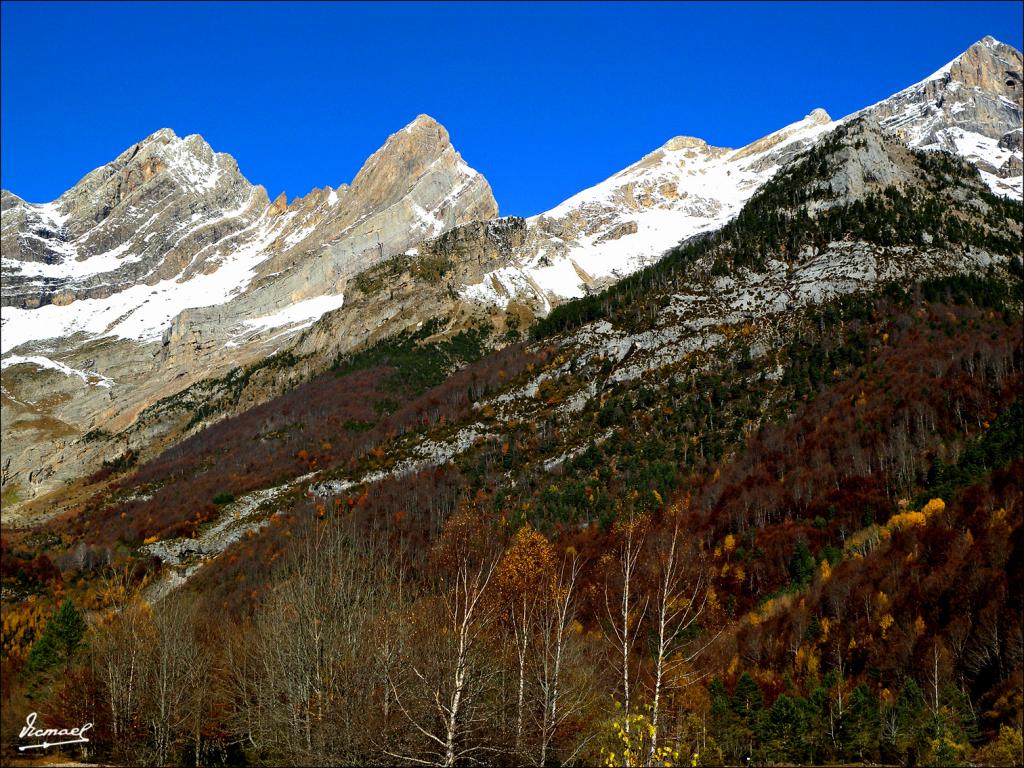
(165, 266)
(993, 71)
(407, 151)
(973, 107)
(161, 170)
(143, 217)
(422, 152)
(990, 65)
(170, 207)
(163, 163)
(280, 205)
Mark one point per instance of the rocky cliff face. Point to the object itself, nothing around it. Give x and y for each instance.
(165, 267)
(971, 107)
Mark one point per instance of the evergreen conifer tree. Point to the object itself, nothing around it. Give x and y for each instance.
(60, 639)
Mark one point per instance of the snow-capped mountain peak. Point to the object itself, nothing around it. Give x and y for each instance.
(166, 266)
(620, 225)
(972, 107)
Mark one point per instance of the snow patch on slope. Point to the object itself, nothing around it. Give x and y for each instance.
(142, 312)
(89, 377)
(72, 268)
(306, 312)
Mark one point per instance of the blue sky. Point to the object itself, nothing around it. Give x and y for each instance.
(544, 99)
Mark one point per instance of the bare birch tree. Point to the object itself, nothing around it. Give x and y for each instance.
(306, 688)
(444, 702)
(177, 667)
(561, 697)
(625, 614)
(680, 601)
(121, 644)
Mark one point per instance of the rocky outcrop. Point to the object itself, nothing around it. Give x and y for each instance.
(864, 162)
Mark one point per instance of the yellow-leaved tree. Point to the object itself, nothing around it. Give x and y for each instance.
(524, 575)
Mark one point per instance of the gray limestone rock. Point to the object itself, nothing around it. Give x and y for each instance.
(166, 267)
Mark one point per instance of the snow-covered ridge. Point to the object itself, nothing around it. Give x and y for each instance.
(170, 251)
(687, 187)
(683, 188)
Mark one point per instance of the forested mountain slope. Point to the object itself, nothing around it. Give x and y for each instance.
(759, 500)
(165, 280)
